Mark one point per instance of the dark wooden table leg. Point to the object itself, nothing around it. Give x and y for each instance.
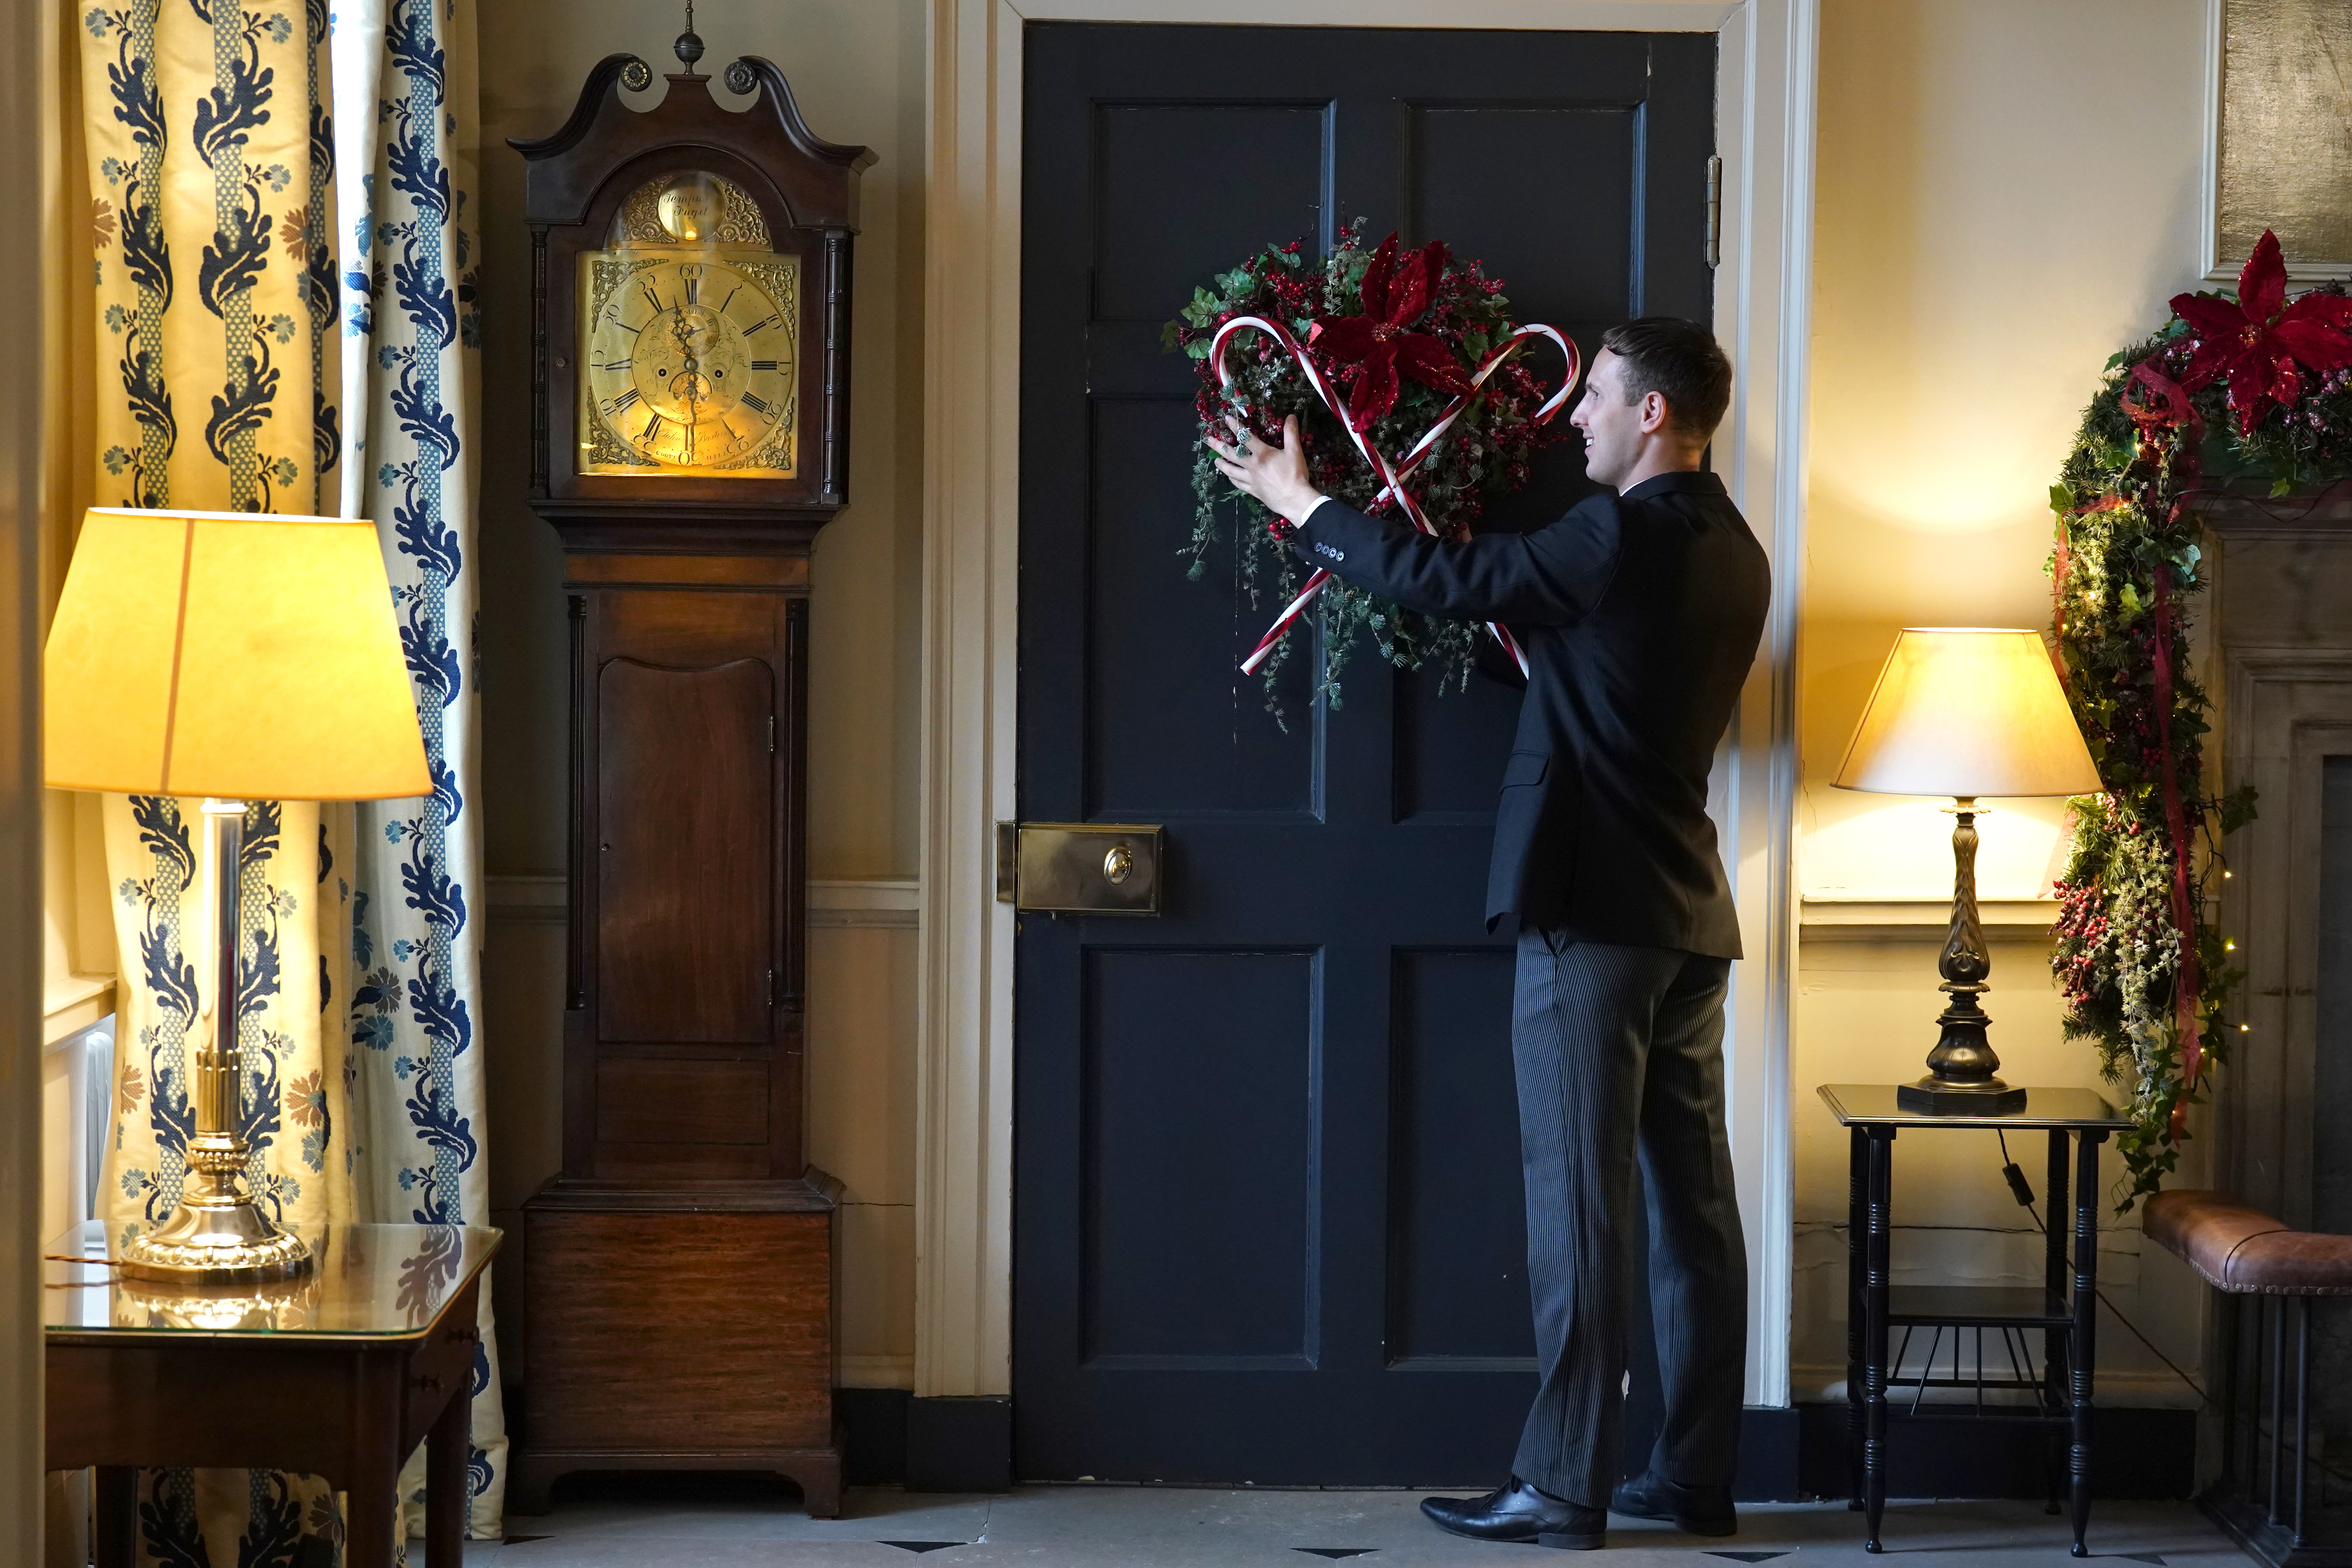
(114, 1517)
(371, 1491)
(2053, 1341)
(2086, 1322)
(1879, 1222)
(370, 1521)
(1856, 1310)
(447, 1498)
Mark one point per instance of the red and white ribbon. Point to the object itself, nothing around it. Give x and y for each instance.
(1392, 478)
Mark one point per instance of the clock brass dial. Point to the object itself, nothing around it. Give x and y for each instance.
(689, 364)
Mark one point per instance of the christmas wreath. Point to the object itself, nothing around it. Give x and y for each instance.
(1440, 412)
(2251, 394)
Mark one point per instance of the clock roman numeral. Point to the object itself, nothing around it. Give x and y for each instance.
(731, 299)
(755, 402)
(621, 404)
(693, 289)
(763, 364)
(773, 320)
(651, 298)
(653, 426)
(614, 364)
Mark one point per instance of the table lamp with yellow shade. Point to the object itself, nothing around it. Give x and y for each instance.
(1966, 711)
(236, 656)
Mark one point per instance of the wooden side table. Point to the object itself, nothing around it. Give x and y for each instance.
(2063, 1310)
(338, 1374)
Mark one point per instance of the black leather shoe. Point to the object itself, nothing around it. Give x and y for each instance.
(1519, 1512)
(1696, 1511)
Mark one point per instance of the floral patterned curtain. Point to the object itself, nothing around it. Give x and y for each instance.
(286, 323)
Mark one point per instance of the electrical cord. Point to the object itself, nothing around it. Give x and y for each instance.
(2018, 1185)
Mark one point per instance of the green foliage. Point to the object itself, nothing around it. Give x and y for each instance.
(1484, 454)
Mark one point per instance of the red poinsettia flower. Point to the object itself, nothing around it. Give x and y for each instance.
(1378, 342)
(2257, 342)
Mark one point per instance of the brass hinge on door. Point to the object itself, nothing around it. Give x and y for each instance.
(1079, 868)
(1715, 211)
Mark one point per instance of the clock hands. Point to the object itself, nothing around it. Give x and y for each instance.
(689, 386)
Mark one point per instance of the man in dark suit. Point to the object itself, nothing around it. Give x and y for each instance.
(1640, 613)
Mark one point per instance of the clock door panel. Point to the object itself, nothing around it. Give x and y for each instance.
(686, 801)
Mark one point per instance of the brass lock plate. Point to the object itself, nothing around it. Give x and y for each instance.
(1079, 868)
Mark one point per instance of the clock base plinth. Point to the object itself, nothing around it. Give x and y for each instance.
(710, 1303)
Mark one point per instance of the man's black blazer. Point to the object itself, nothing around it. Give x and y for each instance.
(1640, 615)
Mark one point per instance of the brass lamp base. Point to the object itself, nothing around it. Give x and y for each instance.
(1931, 1096)
(213, 1243)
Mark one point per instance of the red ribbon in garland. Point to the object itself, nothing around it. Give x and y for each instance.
(2186, 989)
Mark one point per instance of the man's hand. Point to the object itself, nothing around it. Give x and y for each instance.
(1276, 476)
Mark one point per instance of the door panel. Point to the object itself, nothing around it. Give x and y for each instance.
(1230, 1122)
(1267, 1220)
(1150, 694)
(1455, 1291)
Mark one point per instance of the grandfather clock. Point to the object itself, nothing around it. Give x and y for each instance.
(691, 329)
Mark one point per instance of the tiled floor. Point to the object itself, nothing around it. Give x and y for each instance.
(621, 1522)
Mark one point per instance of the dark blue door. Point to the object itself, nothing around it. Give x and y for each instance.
(1267, 1217)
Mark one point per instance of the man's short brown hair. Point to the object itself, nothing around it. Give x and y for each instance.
(1682, 362)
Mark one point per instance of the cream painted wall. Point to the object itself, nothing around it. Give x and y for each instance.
(2008, 191)
(856, 67)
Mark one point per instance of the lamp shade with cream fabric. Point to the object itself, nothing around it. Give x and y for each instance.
(176, 629)
(1967, 711)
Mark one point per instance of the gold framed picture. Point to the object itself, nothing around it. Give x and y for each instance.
(2279, 135)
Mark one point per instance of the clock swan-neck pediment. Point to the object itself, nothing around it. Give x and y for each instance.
(816, 180)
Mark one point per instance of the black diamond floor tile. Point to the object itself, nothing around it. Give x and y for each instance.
(923, 1545)
(1336, 1552)
(1748, 1556)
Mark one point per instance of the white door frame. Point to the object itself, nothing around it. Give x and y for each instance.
(972, 384)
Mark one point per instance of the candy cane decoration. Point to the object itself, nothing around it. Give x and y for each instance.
(1392, 478)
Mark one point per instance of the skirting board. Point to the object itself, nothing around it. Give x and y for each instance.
(2137, 1453)
(1787, 1455)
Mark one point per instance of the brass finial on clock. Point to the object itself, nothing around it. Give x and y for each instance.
(689, 42)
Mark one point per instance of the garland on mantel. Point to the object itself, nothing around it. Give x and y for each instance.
(2236, 394)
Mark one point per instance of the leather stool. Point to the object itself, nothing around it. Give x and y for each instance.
(2246, 1254)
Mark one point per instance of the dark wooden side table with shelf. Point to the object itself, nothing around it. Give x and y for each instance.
(2062, 1308)
(340, 1373)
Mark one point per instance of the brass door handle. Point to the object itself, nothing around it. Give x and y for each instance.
(1079, 868)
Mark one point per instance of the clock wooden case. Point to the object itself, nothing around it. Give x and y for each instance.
(690, 341)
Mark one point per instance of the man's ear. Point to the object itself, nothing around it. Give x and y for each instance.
(1654, 413)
